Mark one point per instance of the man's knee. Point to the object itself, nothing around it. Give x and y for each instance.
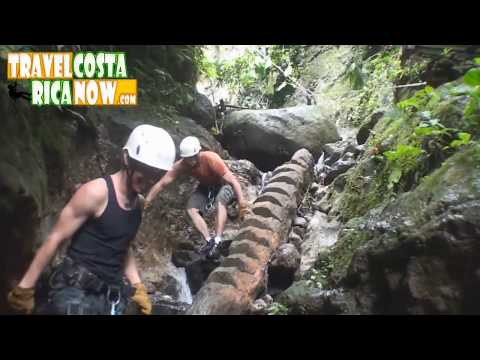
(192, 212)
(225, 196)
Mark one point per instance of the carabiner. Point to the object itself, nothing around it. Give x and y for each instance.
(113, 304)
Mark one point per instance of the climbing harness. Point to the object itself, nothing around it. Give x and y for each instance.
(211, 198)
(70, 273)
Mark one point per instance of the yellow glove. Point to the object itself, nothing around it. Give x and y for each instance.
(146, 205)
(142, 299)
(243, 210)
(22, 299)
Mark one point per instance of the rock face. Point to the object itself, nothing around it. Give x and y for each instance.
(233, 286)
(271, 137)
(424, 254)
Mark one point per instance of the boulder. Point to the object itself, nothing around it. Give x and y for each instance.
(271, 137)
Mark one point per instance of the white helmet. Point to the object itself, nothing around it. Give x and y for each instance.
(151, 146)
(190, 146)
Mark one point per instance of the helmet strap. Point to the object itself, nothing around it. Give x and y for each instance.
(129, 168)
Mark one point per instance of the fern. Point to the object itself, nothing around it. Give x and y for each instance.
(401, 161)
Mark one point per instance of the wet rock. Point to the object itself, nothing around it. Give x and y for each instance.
(295, 240)
(168, 280)
(300, 221)
(165, 305)
(301, 298)
(284, 264)
(299, 230)
(322, 233)
(355, 149)
(335, 151)
(341, 166)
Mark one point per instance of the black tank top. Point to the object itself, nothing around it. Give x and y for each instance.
(101, 244)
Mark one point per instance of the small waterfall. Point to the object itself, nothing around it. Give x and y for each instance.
(184, 293)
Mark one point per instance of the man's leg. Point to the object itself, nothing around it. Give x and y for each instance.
(221, 219)
(225, 196)
(67, 301)
(196, 202)
(198, 222)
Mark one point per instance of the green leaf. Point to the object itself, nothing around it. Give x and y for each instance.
(477, 60)
(472, 77)
(471, 107)
(423, 131)
(413, 101)
(463, 139)
(428, 89)
(394, 177)
(464, 136)
(390, 155)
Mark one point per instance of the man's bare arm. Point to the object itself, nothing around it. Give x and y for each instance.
(84, 204)
(167, 179)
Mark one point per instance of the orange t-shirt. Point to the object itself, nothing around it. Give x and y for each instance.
(209, 169)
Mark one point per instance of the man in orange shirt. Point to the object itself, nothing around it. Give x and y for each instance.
(217, 184)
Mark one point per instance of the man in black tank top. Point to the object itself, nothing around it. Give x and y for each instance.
(102, 219)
